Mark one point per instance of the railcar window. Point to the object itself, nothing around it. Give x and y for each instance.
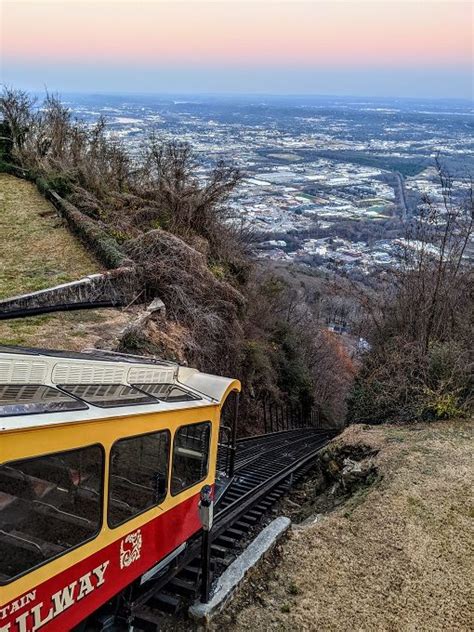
(138, 475)
(168, 392)
(190, 456)
(28, 399)
(48, 505)
(108, 395)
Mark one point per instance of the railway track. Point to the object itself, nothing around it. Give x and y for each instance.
(265, 469)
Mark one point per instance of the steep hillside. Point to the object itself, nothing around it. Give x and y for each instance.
(154, 214)
(37, 251)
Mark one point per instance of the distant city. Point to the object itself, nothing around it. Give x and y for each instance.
(329, 182)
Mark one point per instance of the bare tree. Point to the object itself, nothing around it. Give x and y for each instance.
(190, 205)
(421, 320)
(16, 107)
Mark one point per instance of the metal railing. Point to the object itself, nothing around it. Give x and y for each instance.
(278, 417)
(271, 417)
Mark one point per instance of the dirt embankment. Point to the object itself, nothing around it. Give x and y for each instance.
(396, 555)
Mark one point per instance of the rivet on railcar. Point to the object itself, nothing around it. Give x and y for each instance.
(102, 460)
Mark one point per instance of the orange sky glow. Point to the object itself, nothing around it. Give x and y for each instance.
(372, 33)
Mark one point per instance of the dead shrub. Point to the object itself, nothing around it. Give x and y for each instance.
(210, 308)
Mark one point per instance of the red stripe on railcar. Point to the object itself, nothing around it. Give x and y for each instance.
(68, 598)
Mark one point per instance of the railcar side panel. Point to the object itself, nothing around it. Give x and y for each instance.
(69, 597)
(64, 591)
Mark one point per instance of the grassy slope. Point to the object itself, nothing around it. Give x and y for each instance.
(398, 557)
(38, 251)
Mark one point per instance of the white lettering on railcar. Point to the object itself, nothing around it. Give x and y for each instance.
(130, 548)
(18, 604)
(42, 613)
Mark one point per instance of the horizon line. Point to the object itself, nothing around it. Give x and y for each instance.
(245, 94)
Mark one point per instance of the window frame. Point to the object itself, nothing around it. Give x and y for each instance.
(194, 423)
(101, 506)
(109, 486)
(84, 405)
(187, 396)
(154, 402)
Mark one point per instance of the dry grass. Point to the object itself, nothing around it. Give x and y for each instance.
(36, 248)
(38, 251)
(397, 557)
(73, 331)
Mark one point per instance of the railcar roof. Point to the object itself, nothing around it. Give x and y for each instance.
(88, 354)
(44, 387)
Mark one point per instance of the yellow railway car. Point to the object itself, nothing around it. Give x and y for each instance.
(102, 459)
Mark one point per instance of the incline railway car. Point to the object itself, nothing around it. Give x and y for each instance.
(102, 459)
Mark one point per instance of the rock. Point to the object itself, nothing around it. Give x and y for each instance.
(351, 466)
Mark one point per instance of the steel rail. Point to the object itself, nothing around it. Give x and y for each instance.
(230, 514)
(261, 479)
(251, 448)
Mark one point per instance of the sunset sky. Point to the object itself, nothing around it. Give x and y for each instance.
(405, 48)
